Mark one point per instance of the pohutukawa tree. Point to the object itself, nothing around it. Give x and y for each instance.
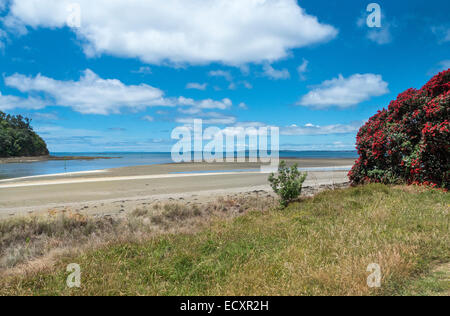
(409, 142)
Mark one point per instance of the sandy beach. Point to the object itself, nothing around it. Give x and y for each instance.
(120, 190)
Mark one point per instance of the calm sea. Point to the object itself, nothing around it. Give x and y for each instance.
(17, 170)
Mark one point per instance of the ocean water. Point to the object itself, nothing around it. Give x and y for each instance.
(17, 170)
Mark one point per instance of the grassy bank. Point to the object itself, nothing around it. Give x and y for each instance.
(32, 240)
(321, 246)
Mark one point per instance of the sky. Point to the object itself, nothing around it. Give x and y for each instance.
(116, 76)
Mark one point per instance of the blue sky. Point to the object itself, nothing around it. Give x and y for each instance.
(125, 77)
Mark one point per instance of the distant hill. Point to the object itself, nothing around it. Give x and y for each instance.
(17, 138)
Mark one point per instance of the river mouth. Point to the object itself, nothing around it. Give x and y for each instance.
(120, 160)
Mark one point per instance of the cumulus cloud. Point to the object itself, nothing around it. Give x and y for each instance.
(272, 73)
(232, 32)
(206, 104)
(345, 92)
(196, 86)
(91, 94)
(94, 95)
(10, 102)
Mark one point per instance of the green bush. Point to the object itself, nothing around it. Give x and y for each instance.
(17, 138)
(410, 141)
(289, 183)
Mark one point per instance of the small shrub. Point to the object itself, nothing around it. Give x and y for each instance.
(289, 183)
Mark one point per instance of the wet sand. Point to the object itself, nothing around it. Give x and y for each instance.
(125, 189)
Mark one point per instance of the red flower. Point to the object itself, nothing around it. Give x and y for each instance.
(410, 140)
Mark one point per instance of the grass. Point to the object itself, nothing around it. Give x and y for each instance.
(27, 239)
(436, 283)
(321, 246)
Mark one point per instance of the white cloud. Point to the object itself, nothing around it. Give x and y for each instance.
(229, 77)
(311, 129)
(302, 69)
(148, 118)
(381, 36)
(345, 92)
(272, 73)
(221, 73)
(233, 32)
(45, 116)
(10, 102)
(319, 146)
(251, 124)
(205, 104)
(306, 130)
(196, 86)
(243, 106)
(210, 118)
(247, 84)
(145, 70)
(190, 111)
(94, 95)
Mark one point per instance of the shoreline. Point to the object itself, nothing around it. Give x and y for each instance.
(305, 165)
(128, 188)
(8, 160)
(170, 175)
(55, 175)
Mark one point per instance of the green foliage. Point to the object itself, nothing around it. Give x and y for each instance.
(288, 185)
(410, 141)
(17, 138)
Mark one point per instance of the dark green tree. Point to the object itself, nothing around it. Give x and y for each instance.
(17, 138)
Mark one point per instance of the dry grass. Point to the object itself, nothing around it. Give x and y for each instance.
(31, 241)
(321, 246)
